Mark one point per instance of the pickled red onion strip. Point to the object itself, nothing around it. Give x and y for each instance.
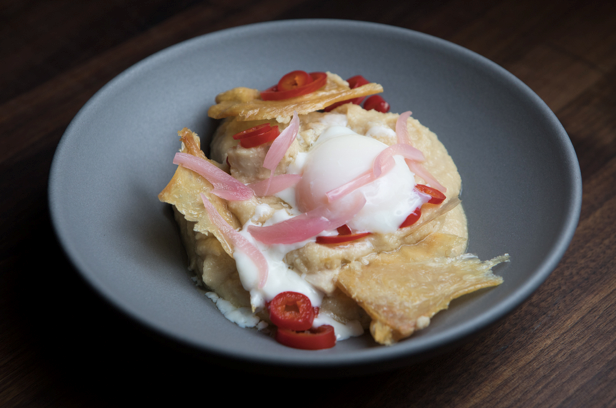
(279, 148)
(239, 242)
(278, 183)
(296, 229)
(382, 164)
(308, 225)
(419, 170)
(401, 130)
(337, 193)
(225, 186)
(403, 138)
(405, 150)
(366, 178)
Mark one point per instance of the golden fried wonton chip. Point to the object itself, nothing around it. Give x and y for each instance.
(402, 290)
(247, 105)
(183, 191)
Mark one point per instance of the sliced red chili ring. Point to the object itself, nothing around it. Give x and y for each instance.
(257, 135)
(412, 218)
(292, 311)
(344, 230)
(354, 101)
(323, 337)
(357, 81)
(377, 103)
(437, 196)
(257, 140)
(293, 80)
(319, 79)
(256, 130)
(338, 239)
(354, 82)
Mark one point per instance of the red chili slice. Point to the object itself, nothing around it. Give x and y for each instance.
(357, 81)
(293, 80)
(323, 337)
(257, 135)
(253, 131)
(412, 218)
(338, 239)
(292, 311)
(437, 196)
(377, 103)
(344, 230)
(319, 79)
(258, 140)
(354, 82)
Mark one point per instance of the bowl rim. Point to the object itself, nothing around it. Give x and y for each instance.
(393, 356)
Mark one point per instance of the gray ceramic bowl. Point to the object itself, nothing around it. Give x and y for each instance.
(521, 181)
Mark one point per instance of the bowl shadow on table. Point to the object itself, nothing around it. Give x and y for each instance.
(81, 338)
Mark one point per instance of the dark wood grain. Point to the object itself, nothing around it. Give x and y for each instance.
(63, 346)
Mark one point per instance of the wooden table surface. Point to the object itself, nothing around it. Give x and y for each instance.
(62, 346)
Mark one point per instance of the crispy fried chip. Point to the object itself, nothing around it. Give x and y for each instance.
(401, 291)
(247, 105)
(183, 192)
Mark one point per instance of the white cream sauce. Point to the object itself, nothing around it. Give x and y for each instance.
(242, 316)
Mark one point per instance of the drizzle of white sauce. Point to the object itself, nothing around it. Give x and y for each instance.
(381, 130)
(334, 119)
(242, 316)
(280, 277)
(343, 331)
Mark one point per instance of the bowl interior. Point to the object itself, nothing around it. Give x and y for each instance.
(521, 184)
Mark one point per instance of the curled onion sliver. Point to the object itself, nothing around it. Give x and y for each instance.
(405, 150)
(401, 130)
(276, 184)
(280, 146)
(382, 164)
(418, 169)
(403, 138)
(225, 186)
(239, 242)
(308, 225)
(362, 180)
